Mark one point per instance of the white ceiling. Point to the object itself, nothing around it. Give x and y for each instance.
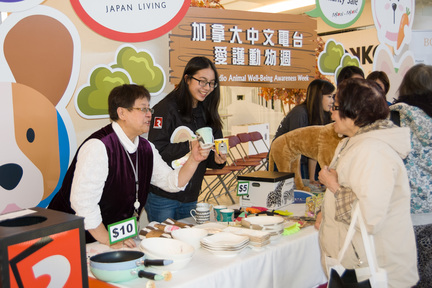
(246, 5)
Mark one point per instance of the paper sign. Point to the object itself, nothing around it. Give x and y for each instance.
(122, 230)
(243, 188)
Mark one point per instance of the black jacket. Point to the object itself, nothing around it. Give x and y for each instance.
(168, 118)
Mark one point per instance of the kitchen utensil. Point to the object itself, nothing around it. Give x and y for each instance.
(124, 265)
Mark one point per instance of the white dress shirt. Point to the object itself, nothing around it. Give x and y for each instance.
(91, 172)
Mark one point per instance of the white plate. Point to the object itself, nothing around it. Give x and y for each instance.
(212, 227)
(254, 235)
(181, 134)
(225, 239)
(237, 247)
(225, 252)
(265, 220)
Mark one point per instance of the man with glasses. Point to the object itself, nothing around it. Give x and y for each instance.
(109, 178)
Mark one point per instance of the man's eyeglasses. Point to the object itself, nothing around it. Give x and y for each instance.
(144, 110)
(335, 107)
(204, 83)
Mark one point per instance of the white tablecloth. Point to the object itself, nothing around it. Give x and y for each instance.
(290, 261)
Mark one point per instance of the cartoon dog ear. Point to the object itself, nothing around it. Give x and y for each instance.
(384, 61)
(39, 52)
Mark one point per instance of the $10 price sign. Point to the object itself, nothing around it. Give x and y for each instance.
(122, 230)
(242, 188)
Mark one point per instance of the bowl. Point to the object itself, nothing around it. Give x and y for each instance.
(191, 236)
(170, 249)
(175, 266)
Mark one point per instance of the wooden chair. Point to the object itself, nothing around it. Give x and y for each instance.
(256, 136)
(246, 139)
(223, 178)
(240, 160)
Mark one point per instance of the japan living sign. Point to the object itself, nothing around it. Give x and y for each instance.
(131, 21)
(248, 48)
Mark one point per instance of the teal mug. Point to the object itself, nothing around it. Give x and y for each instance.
(227, 215)
(217, 209)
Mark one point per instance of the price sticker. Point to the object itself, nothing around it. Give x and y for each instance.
(122, 230)
(243, 188)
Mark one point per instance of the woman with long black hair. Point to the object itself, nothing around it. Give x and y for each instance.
(194, 104)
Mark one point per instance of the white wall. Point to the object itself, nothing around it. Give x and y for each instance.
(247, 111)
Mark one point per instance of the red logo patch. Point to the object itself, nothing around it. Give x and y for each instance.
(158, 122)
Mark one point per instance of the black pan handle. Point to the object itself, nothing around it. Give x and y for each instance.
(149, 275)
(157, 262)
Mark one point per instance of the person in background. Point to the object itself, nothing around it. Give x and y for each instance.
(382, 80)
(109, 177)
(315, 110)
(349, 72)
(413, 109)
(368, 167)
(193, 103)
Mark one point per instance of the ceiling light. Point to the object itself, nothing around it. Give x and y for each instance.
(284, 6)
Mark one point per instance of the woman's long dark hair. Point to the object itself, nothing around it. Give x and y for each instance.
(314, 95)
(185, 100)
(416, 88)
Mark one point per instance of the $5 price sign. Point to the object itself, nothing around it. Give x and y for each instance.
(243, 188)
(122, 230)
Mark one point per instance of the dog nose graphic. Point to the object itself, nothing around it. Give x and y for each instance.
(10, 175)
(394, 5)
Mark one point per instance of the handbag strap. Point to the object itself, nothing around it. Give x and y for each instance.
(368, 241)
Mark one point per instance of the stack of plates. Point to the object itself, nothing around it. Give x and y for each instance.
(212, 227)
(224, 243)
(257, 239)
(272, 224)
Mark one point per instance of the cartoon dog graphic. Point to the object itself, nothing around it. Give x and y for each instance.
(223, 148)
(383, 61)
(393, 20)
(40, 47)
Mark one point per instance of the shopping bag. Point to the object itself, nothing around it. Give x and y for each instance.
(372, 276)
(348, 279)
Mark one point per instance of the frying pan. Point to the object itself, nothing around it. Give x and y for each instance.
(123, 265)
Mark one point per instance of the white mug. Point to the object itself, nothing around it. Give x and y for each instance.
(200, 215)
(204, 205)
(205, 137)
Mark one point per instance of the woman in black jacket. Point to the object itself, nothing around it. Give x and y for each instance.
(194, 104)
